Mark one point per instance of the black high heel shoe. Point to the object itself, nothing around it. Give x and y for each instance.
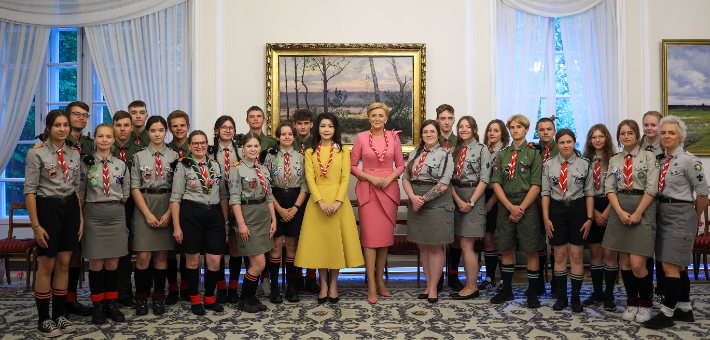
(322, 300)
(422, 296)
(333, 299)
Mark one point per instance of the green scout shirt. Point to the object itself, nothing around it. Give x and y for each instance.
(302, 145)
(554, 151)
(452, 141)
(183, 151)
(142, 139)
(85, 144)
(527, 172)
(267, 142)
(129, 150)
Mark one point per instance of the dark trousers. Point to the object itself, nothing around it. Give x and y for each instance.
(125, 266)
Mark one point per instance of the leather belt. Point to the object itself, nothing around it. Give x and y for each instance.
(156, 191)
(519, 195)
(55, 200)
(285, 190)
(107, 203)
(254, 202)
(460, 184)
(420, 183)
(672, 200)
(199, 205)
(631, 192)
(569, 203)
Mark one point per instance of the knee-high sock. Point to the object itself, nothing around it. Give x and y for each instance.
(542, 258)
(645, 286)
(211, 278)
(74, 274)
(610, 274)
(561, 280)
(42, 301)
(684, 287)
(221, 281)
(125, 269)
(183, 269)
(533, 276)
(249, 284)
(142, 277)
(630, 284)
(507, 271)
(274, 265)
(159, 283)
(597, 272)
(660, 278)
(491, 264)
(59, 298)
(454, 260)
(96, 285)
(110, 284)
(235, 268)
(576, 284)
(672, 294)
(291, 271)
(192, 276)
(172, 274)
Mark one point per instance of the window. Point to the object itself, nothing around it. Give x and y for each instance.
(61, 83)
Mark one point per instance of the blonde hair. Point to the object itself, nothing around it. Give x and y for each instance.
(378, 105)
(524, 121)
(682, 129)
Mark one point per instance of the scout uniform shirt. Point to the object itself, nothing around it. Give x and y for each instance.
(182, 151)
(85, 144)
(579, 178)
(527, 170)
(267, 142)
(126, 152)
(302, 145)
(494, 154)
(599, 188)
(146, 172)
(438, 166)
(548, 152)
(221, 157)
(99, 185)
(45, 176)
(245, 184)
(644, 172)
(142, 139)
(191, 184)
(448, 143)
(476, 165)
(656, 147)
(683, 175)
(275, 161)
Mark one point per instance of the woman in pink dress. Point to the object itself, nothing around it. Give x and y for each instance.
(377, 193)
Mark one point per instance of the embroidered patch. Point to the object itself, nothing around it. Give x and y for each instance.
(578, 180)
(52, 173)
(147, 174)
(298, 173)
(193, 183)
(700, 178)
(252, 184)
(94, 182)
(658, 164)
(641, 175)
(93, 168)
(522, 169)
(698, 167)
(618, 176)
(275, 172)
(469, 167)
(29, 165)
(555, 181)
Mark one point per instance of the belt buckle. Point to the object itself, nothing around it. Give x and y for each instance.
(568, 203)
(62, 199)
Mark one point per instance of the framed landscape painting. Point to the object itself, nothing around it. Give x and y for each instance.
(344, 79)
(686, 89)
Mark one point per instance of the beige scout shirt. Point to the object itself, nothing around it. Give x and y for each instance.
(189, 184)
(438, 166)
(645, 172)
(579, 178)
(92, 180)
(477, 163)
(277, 166)
(683, 176)
(244, 183)
(143, 172)
(43, 175)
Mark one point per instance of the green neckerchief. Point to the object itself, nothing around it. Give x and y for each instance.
(206, 187)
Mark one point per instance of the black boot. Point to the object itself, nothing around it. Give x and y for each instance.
(221, 296)
(76, 308)
(142, 307)
(291, 290)
(292, 294)
(577, 305)
(98, 317)
(158, 307)
(561, 303)
(232, 295)
(312, 286)
(275, 296)
(172, 298)
(113, 312)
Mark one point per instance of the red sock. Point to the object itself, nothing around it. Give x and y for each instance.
(453, 271)
(71, 297)
(234, 284)
(196, 300)
(173, 287)
(222, 285)
(310, 274)
(264, 275)
(183, 284)
(97, 297)
(209, 300)
(111, 295)
(299, 274)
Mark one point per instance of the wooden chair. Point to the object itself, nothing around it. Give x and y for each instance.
(26, 249)
(701, 246)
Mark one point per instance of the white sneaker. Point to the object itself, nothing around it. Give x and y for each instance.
(643, 315)
(48, 329)
(265, 286)
(630, 313)
(658, 301)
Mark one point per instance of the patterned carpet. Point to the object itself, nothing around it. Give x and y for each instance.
(402, 316)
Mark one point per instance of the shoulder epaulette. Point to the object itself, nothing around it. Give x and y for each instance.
(211, 149)
(186, 161)
(236, 163)
(88, 137)
(73, 148)
(272, 151)
(88, 159)
(143, 148)
(535, 146)
(585, 158)
(615, 154)
(270, 137)
(173, 164)
(660, 156)
(503, 149)
(38, 146)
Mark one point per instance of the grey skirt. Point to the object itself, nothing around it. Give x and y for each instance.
(258, 220)
(105, 233)
(677, 227)
(473, 223)
(146, 238)
(433, 224)
(637, 239)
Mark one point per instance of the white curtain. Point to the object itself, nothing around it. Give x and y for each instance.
(590, 48)
(552, 8)
(22, 54)
(78, 13)
(148, 58)
(522, 49)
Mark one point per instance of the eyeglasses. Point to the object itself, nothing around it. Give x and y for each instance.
(227, 128)
(630, 133)
(197, 144)
(79, 114)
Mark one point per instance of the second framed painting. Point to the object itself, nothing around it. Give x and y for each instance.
(344, 79)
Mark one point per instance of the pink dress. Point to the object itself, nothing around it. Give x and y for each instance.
(377, 208)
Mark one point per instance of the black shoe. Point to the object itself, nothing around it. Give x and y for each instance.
(292, 294)
(560, 304)
(433, 300)
(503, 295)
(577, 305)
(249, 305)
(76, 308)
(553, 289)
(113, 312)
(440, 285)
(142, 307)
(455, 283)
(48, 329)
(172, 298)
(275, 296)
(185, 295)
(322, 300)
(659, 321)
(221, 296)
(593, 299)
(422, 296)
(679, 315)
(300, 284)
(198, 309)
(609, 304)
(232, 295)
(99, 315)
(158, 307)
(533, 301)
(333, 299)
(541, 290)
(312, 286)
(215, 307)
(262, 307)
(127, 302)
(473, 295)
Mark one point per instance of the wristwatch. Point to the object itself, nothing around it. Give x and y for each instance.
(590, 219)
(297, 206)
(471, 203)
(36, 227)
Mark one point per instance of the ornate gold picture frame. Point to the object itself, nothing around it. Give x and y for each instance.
(344, 79)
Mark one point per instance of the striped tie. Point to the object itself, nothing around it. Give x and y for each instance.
(563, 179)
(628, 172)
(663, 174)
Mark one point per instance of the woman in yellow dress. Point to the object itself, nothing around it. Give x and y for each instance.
(329, 237)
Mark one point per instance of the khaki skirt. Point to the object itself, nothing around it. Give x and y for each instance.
(433, 224)
(473, 223)
(105, 233)
(146, 238)
(677, 227)
(258, 220)
(637, 239)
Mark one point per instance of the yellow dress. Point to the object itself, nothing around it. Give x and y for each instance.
(328, 241)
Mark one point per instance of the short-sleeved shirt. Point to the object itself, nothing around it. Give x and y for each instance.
(494, 154)
(477, 163)
(221, 157)
(92, 180)
(527, 172)
(244, 183)
(85, 145)
(554, 151)
(683, 176)
(143, 172)
(43, 175)
(452, 141)
(644, 172)
(601, 191)
(182, 151)
(580, 182)
(438, 166)
(189, 184)
(277, 166)
(129, 150)
(656, 147)
(141, 139)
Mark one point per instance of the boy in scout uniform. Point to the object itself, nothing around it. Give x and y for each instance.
(139, 113)
(548, 149)
(517, 177)
(79, 115)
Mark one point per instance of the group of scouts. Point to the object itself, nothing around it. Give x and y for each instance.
(128, 192)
